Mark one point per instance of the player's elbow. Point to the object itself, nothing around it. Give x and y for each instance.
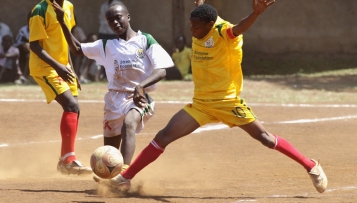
(161, 73)
(77, 51)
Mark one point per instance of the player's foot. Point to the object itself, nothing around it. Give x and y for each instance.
(98, 179)
(75, 168)
(318, 177)
(118, 182)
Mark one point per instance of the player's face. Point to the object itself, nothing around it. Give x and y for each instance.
(118, 19)
(199, 28)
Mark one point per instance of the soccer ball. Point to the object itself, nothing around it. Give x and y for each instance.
(106, 161)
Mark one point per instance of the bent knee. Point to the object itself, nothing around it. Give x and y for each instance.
(163, 139)
(267, 139)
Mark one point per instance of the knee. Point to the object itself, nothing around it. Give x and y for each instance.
(71, 106)
(130, 124)
(162, 139)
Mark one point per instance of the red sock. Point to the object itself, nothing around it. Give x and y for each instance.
(68, 128)
(286, 148)
(148, 155)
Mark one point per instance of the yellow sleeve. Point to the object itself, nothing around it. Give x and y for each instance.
(37, 27)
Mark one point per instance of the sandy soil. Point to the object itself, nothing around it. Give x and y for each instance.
(223, 165)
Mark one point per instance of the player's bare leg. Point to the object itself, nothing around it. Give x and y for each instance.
(314, 169)
(181, 120)
(128, 131)
(68, 163)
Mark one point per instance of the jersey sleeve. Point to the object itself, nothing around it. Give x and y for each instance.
(37, 24)
(225, 30)
(159, 57)
(73, 21)
(95, 51)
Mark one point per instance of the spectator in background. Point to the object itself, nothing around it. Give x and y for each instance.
(9, 61)
(4, 30)
(182, 57)
(22, 43)
(89, 68)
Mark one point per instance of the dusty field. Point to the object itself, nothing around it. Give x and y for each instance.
(211, 165)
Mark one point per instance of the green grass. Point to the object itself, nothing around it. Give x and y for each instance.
(292, 63)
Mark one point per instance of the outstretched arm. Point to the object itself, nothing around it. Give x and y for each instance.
(73, 43)
(259, 6)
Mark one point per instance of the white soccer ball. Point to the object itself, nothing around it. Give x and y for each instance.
(106, 161)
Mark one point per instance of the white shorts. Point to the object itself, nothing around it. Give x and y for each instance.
(117, 105)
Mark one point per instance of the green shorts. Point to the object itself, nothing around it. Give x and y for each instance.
(232, 112)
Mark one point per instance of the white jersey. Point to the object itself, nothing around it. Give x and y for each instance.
(127, 63)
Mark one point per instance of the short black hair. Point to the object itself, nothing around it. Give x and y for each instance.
(205, 12)
(117, 3)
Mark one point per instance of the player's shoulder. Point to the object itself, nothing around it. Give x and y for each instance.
(148, 38)
(68, 2)
(42, 6)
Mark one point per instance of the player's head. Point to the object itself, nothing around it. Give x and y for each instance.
(118, 18)
(202, 20)
(180, 42)
(6, 42)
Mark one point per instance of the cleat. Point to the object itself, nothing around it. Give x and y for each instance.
(97, 178)
(318, 177)
(118, 182)
(74, 168)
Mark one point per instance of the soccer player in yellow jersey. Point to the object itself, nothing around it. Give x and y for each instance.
(50, 67)
(216, 66)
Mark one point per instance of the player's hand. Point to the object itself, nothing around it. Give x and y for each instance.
(259, 6)
(58, 10)
(199, 2)
(65, 73)
(139, 97)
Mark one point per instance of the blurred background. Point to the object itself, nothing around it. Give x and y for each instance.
(291, 36)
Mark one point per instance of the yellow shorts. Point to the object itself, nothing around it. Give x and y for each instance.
(232, 112)
(53, 85)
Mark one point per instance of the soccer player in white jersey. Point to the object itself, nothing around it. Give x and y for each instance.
(134, 63)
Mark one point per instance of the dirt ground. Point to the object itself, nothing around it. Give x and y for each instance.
(215, 164)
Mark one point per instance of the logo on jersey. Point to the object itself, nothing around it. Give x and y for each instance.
(116, 66)
(209, 43)
(140, 53)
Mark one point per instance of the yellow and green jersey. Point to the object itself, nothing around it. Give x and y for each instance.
(45, 28)
(216, 63)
